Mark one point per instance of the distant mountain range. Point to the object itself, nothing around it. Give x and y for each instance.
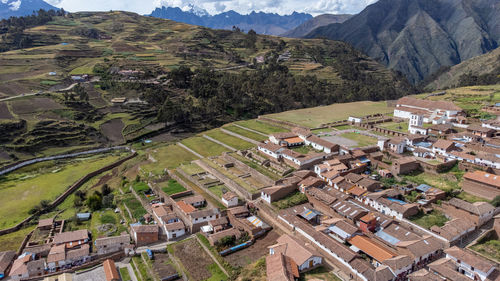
(418, 37)
(318, 21)
(262, 23)
(17, 8)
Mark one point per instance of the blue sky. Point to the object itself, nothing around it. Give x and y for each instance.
(313, 7)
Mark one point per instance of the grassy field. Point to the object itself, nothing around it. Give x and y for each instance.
(22, 190)
(204, 147)
(489, 248)
(218, 190)
(173, 187)
(429, 220)
(169, 157)
(192, 169)
(362, 140)
(12, 241)
(261, 126)
(229, 140)
(124, 274)
(440, 181)
(245, 133)
(470, 98)
(314, 117)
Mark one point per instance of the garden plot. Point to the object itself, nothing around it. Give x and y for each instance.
(162, 266)
(29, 106)
(112, 129)
(5, 112)
(196, 262)
(254, 252)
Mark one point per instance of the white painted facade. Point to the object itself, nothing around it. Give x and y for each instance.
(231, 202)
(468, 270)
(265, 197)
(172, 234)
(276, 155)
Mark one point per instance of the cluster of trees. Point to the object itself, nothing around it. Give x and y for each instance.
(215, 97)
(470, 79)
(12, 29)
(95, 201)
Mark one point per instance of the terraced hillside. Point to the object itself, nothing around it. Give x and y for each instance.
(38, 83)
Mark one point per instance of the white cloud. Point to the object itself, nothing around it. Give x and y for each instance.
(314, 7)
(14, 5)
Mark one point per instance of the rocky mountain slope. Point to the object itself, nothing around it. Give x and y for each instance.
(262, 23)
(487, 64)
(318, 21)
(13, 8)
(417, 37)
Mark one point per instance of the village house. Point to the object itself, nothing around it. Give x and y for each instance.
(271, 149)
(377, 252)
(239, 212)
(200, 218)
(349, 209)
(386, 203)
(483, 132)
(6, 259)
(431, 194)
(45, 224)
(230, 199)
(481, 184)
(214, 238)
(433, 111)
(277, 192)
(404, 165)
(287, 139)
(107, 245)
(397, 145)
(60, 257)
(339, 229)
(196, 201)
(454, 230)
(321, 144)
(310, 182)
(478, 212)
(422, 251)
(281, 268)
(110, 271)
(24, 266)
(443, 147)
(72, 239)
(303, 255)
(470, 265)
(145, 234)
(174, 230)
(441, 129)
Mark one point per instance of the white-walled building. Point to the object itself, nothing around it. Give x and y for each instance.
(306, 258)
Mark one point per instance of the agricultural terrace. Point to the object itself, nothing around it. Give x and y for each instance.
(245, 133)
(12, 241)
(362, 140)
(204, 146)
(471, 98)
(173, 187)
(261, 126)
(22, 190)
(168, 157)
(315, 117)
(232, 141)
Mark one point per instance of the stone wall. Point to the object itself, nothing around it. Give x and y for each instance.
(68, 191)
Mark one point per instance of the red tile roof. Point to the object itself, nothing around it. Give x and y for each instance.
(110, 270)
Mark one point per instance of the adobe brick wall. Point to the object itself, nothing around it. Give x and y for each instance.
(480, 190)
(453, 212)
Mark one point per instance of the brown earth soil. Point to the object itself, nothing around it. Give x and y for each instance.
(194, 259)
(113, 130)
(26, 106)
(162, 266)
(4, 111)
(251, 254)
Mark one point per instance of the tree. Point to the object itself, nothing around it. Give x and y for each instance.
(94, 202)
(496, 201)
(137, 178)
(107, 201)
(105, 189)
